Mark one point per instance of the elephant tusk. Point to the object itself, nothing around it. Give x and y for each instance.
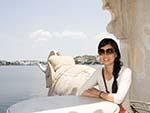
(42, 68)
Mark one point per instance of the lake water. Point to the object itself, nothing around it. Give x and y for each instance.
(18, 83)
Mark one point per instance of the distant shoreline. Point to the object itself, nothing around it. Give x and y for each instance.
(86, 59)
(21, 63)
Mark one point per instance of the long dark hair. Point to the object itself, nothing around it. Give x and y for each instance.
(117, 62)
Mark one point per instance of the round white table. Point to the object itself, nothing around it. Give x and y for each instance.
(63, 104)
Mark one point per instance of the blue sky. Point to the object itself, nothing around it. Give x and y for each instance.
(30, 29)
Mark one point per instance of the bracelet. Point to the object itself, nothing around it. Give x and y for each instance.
(100, 94)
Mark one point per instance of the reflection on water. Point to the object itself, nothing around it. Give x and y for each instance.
(19, 83)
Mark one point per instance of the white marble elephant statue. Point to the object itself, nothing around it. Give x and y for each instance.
(63, 76)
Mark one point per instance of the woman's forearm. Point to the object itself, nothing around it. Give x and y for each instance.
(91, 93)
(107, 96)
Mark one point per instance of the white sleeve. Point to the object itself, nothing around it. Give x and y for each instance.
(123, 86)
(92, 81)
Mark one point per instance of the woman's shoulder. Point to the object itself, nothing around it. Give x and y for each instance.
(125, 68)
(98, 70)
(125, 71)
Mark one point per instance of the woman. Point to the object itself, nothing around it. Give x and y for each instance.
(113, 78)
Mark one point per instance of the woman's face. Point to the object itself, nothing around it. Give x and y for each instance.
(107, 55)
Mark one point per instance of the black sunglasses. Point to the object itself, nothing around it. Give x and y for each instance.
(108, 51)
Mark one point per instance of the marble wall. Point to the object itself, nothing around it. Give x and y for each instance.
(131, 24)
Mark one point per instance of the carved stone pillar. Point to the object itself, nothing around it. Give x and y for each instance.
(131, 24)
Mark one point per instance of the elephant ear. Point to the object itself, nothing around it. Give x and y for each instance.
(49, 75)
(49, 72)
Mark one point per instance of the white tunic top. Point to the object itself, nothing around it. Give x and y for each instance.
(124, 82)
